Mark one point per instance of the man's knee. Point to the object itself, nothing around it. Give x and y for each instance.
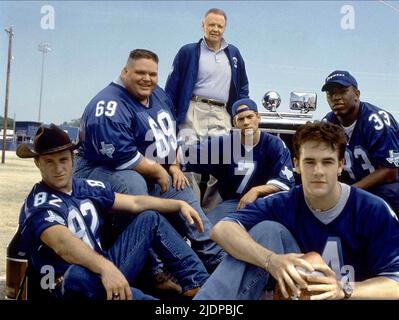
(129, 182)
(79, 282)
(265, 231)
(149, 216)
(146, 220)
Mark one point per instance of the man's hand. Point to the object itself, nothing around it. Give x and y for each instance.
(191, 215)
(179, 180)
(149, 169)
(162, 178)
(282, 268)
(115, 283)
(249, 197)
(327, 286)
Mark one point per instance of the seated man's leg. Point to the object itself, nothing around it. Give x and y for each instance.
(122, 181)
(81, 167)
(211, 195)
(151, 230)
(208, 251)
(222, 210)
(79, 283)
(237, 280)
(390, 193)
(194, 179)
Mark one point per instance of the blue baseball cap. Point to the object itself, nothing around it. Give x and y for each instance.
(248, 103)
(344, 78)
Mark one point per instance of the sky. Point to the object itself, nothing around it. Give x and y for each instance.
(287, 46)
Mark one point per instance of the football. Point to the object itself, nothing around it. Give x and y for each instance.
(311, 257)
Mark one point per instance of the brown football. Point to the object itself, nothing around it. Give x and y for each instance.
(311, 257)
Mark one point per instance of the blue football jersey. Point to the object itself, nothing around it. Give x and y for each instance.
(363, 239)
(238, 169)
(374, 142)
(82, 213)
(117, 130)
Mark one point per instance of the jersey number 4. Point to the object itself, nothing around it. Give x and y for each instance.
(332, 255)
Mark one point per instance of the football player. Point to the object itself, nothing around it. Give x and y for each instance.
(356, 233)
(62, 219)
(372, 134)
(128, 138)
(250, 163)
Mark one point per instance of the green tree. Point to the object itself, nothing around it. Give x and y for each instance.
(10, 123)
(72, 123)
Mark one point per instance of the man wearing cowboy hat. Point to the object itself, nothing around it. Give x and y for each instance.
(61, 219)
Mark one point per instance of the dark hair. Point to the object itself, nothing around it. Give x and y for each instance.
(143, 54)
(322, 132)
(216, 11)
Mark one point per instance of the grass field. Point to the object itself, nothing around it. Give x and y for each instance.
(17, 176)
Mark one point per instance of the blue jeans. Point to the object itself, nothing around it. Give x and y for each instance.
(237, 280)
(131, 182)
(129, 254)
(222, 210)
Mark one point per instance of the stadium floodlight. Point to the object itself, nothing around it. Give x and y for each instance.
(10, 35)
(43, 47)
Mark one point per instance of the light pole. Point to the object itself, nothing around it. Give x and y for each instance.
(10, 35)
(43, 47)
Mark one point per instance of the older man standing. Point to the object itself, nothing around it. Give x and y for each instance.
(206, 79)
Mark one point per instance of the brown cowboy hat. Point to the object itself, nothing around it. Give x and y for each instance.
(48, 139)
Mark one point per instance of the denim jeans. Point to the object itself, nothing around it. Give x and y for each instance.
(237, 280)
(222, 210)
(131, 182)
(129, 254)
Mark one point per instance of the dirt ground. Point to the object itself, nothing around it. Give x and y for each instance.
(17, 176)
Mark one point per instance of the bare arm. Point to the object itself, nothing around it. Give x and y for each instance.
(150, 169)
(331, 288)
(376, 288)
(238, 243)
(137, 204)
(75, 251)
(256, 192)
(380, 176)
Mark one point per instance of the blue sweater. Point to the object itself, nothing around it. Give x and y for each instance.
(180, 83)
